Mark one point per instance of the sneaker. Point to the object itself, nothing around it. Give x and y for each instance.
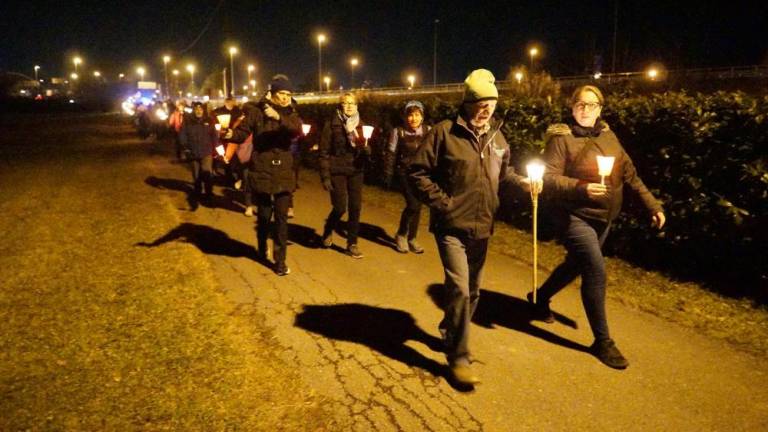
(328, 240)
(238, 185)
(462, 374)
(401, 244)
(540, 311)
(282, 270)
(248, 211)
(415, 247)
(290, 212)
(606, 351)
(354, 251)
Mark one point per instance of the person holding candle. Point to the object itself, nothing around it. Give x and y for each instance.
(344, 154)
(456, 171)
(274, 123)
(402, 145)
(589, 197)
(199, 137)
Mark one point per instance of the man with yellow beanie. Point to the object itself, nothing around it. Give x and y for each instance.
(456, 172)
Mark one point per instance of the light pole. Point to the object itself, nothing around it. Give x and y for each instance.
(533, 52)
(253, 87)
(37, 68)
(411, 81)
(175, 74)
(232, 52)
(77, 61)
(166, 59)
(353, 63)
(191, 70)
(327, 81)
(251, 68)
(140, 71)
(320, 40)
(434, 55)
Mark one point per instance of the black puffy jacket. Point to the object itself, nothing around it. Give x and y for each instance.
(338, 155)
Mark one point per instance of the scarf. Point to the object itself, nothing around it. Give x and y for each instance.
(581, 131)
(350, 126)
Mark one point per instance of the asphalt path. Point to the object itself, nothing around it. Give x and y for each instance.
(364, 334)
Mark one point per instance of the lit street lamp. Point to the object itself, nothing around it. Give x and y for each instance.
(77, 61)
(166, 59)
(533, 52)
(37, 68)
(353, 64)
(253, 87)
(327, 81)
(74, 76)
(232, 52)
(121, 76)
(320, 40)
(411, 80)
(191, 70)
(518, 77)
(96, 74)
(652, 74)
(140, 71)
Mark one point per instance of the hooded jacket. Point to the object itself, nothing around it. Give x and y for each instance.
(570, 167)
(198, 135)
(271, 164)
(457, 174)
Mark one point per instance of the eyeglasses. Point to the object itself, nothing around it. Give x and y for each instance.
(587, 106)
(348, 104)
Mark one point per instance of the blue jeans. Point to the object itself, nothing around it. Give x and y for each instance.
(463, 259)
(583, 239)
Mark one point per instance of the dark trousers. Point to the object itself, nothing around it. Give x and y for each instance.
(409, 219)
(246, 185)
(267, 205)
(583, 240)
(463, 259)
(347, 192)
(201, 174)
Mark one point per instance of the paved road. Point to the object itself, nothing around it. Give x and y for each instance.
(363, 332)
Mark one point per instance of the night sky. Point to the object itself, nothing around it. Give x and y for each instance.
(279, 36)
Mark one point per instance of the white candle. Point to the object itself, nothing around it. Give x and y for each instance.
(305, 128)
(220, 150)
(604, 167)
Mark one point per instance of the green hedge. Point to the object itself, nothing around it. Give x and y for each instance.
(705, 156)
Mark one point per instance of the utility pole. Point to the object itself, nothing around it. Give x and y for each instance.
(615, 32)
(434, 55)
(224, 81)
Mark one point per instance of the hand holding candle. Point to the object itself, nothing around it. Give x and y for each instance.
(367, 133)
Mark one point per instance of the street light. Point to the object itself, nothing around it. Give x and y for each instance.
(518, 77)
(320, 40)
(411, 80)
(232, 52)
(166, 59)
(140, 71)
(121, 76)
(652, 74)
(37, 68)
(77, 61)
(533, 52)
(96, 74)
(74, 76)
(353, 63)
(191, 70)
(253, 87)
(327, 81)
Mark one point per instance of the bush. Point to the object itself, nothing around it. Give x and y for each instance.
(705, 156)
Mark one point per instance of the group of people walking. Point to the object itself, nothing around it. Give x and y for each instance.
(455, 168)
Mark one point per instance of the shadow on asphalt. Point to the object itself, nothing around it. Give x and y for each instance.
(226, 202)
(510, 312)
(304, 236)
(383, 330)
(209, 240)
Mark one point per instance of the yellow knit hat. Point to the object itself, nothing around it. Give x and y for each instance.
(479, 86)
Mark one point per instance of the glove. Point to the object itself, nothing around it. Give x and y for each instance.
(327, 185)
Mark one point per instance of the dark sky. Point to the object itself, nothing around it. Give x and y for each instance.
(389, 37)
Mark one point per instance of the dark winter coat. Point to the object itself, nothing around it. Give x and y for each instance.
(569, 170)
(198, 135)
(457, 174)
(271, 165)
(338, 155)
(402, 147)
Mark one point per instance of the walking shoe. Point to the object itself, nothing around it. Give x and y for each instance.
(462, 374)
(328, 240)
(248, 211)
(415, 247)
(282, 270)
(354, 252)
(605, 350)
(401, 244)
(540, 311)
(290, 212)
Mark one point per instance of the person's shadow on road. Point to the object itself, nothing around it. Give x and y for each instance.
(304, 236)
(510, 312)
(209, 240)
(372, 233)
(226, 202)
(383, 330)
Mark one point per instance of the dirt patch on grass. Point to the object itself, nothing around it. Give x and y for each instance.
(101, 334)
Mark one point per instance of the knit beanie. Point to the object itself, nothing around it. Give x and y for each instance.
(280, 83)
(479, 86)
(413, 104)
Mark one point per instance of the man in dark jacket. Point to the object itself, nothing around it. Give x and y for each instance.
(274, 122)
(199, 137)
(456, 172)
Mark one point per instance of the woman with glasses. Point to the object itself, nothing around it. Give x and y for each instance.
(589, 203)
